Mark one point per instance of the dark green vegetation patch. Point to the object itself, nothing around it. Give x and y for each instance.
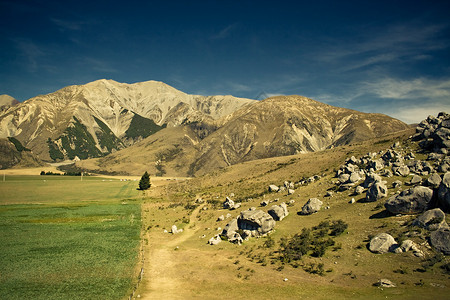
(107, 138)
(142, 127)
(18, 144)
(77, 141)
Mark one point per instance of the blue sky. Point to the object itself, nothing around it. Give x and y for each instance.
(391, 57)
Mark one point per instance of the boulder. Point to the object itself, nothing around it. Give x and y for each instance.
(264, 203)
(444, 193)
(371, 179)
(312, 206)
(228, 204)
(354, 177)
(416, 179)
(407, 245)
(434, 180)
(236, 238)
(278, 212)
(412, 201)
(432, 219)
(257, 221)
(376, 191)
(359, 190)
(343, 178)
(273, 188)
(382, 243)
(291, 191)
(377, 164)
(402, 170)
(397, 184)
(384, 283)
(229, 230)
(220, 218)
(175, 230)
(214, 240)
(440, 240)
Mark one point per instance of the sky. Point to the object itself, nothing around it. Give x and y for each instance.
(390, 57)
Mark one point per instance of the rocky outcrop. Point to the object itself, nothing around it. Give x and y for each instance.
(255, 222)
(412, 201)
(434, 133)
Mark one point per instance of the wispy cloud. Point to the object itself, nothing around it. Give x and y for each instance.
(69, 25)
(31, 52)
(392, 88)
(99, 65)
(225, 32)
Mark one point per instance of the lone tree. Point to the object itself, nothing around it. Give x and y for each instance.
(144, 183)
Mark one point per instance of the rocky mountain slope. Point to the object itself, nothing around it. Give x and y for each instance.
(103, 116)
(277, 126)
(13, 153)
(6, 102)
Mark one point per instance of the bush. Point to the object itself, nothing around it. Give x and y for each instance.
(144, 183)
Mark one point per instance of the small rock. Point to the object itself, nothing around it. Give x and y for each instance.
(352, 201)
(312, 206)
(382, 243)
(386, 283)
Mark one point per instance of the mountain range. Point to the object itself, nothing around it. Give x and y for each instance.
(130, 128)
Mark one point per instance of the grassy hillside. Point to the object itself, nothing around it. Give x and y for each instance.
(254, 270)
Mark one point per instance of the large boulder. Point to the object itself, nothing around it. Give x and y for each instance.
(312, 206)
(230, 229)
(444, 193)
(434, 180)
(382, 243)
(256, 221)
(440, 240)
(376, 191)
(432, 219)
(412, 201)
(278, 212)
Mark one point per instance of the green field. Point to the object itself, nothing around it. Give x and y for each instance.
(63, 238)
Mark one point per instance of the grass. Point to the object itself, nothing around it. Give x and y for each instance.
(63, 238)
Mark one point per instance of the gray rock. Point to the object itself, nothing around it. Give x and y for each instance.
(257, 221)
(359, 190)
(214, 240)
(312, 206)
(397, 184)
(385, 283)
(236, 238)
(354, 177)
(343, 178)
(371, 179)
(407, 245)
(264, 203)
(440, 240)
(444, 193)
(376, 191)
(382, 243)
(220, 218)
(434, 180)
(432, 219)
(416, 179)
(377, 164)
(279, 212)
(228, 204)
(402, 170)
(291, 202)
(291, 191)
(412, 201)
(273, 188)
(175, 230)
(229, 230)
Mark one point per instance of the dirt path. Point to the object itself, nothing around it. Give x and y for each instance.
(160, 275)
